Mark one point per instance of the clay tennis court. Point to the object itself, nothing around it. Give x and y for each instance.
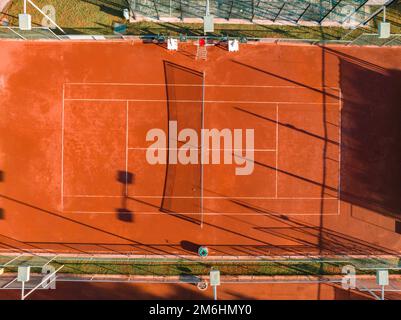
(185, 291)
(74, 173)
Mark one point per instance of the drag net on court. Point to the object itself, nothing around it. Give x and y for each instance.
(183, 182)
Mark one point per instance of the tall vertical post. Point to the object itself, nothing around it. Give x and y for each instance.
(157, 11)
(23, 276)
(231, 9)
(254, 6)
(214, 281)
(382, 280)
(24, 6)
(253, 9)
(302, 14)
(330, 11)
(282, 7)
(23, 291)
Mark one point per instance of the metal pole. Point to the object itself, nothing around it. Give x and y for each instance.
(207, 7)
(44, 14)
(330, 11)
(306, 9)
(45, 279)
(157, 11)
(382, 292)
(384, 14)
(231, 9)
(275, 18)
(50, 30)
(22, 290)
(24, 6)
(12, 30)
(355, 11)
(215, 292)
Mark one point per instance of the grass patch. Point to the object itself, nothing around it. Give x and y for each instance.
(237, 30)
(393, 15)
(97, 17)
(178, 267)
(75, 16)
(170, 268)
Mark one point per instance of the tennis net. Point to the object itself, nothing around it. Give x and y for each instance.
(183, 189)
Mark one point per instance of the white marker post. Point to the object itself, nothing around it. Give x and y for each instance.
(25, 19)
(382, 280)
(215, 281)
(208, 20)
(23, 276)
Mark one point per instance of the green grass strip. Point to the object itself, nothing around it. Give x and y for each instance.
(198, 268)
(83, 17)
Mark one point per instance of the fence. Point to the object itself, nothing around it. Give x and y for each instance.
(295, 11)
(44, 33)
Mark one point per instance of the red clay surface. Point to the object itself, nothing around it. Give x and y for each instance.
(182, 291)
(75, 116)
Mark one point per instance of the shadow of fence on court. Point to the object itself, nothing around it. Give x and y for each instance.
(371, 137)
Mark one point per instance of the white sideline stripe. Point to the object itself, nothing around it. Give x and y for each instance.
(210, 213)
(202, 148)
(339, 149)
(199, 101)
(199, 149)
(191, 85)
(205, 197)
(62, 151)
(277, 142)
(126, 149)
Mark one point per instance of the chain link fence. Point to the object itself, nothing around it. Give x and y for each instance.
(43, 33)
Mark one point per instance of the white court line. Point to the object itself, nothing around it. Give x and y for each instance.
(126, 149)
(210, 213)
(277, 141)
(205, 197)
(198, 101)
(191, 85)
(210, 149)
(62, 152)
(339, 151)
